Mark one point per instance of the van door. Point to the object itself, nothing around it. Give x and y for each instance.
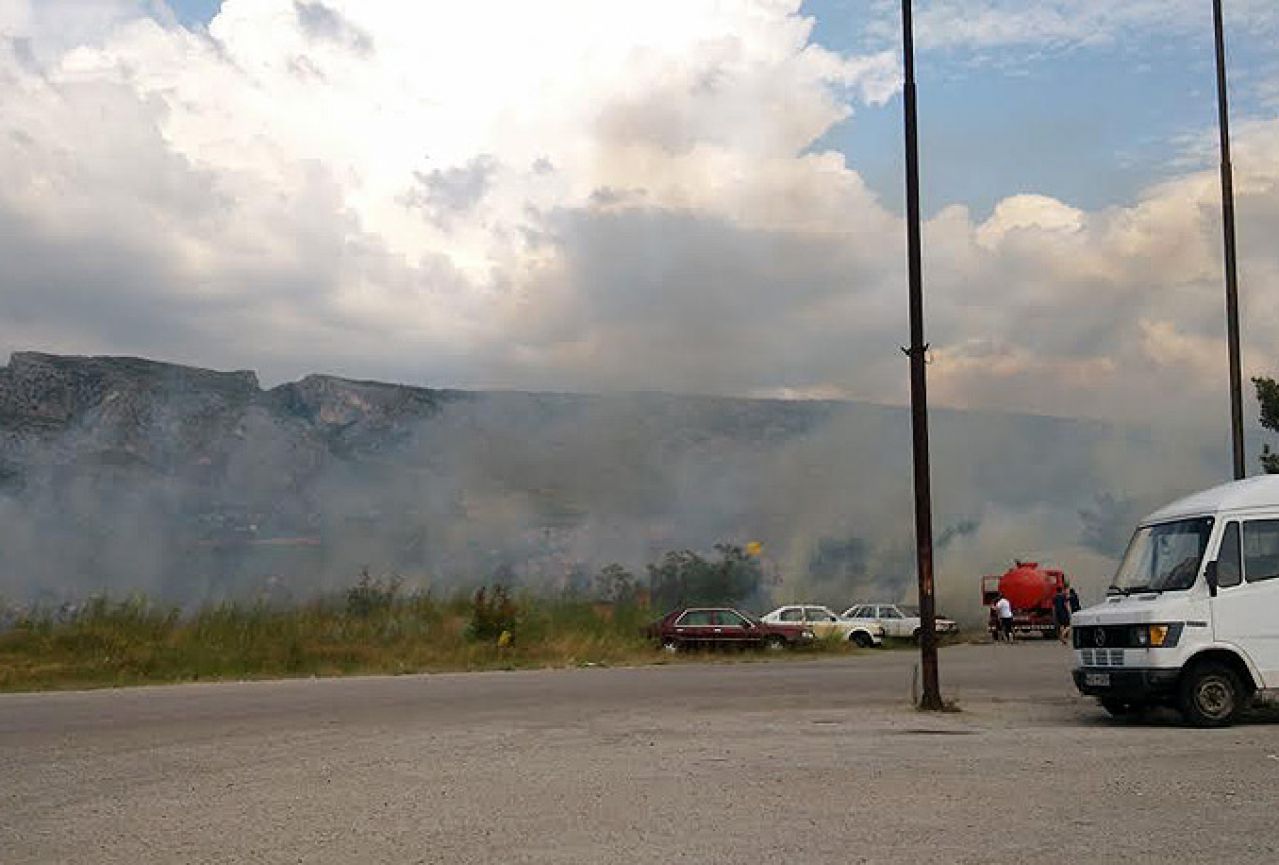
(1246, 609)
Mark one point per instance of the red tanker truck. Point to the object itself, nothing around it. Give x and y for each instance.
(1030, 589)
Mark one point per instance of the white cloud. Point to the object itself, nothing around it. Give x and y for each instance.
(1037, 213)
(588, 196)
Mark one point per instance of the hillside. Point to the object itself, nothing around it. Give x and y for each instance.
(125, 474)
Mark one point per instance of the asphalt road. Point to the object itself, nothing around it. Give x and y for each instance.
(788, 760)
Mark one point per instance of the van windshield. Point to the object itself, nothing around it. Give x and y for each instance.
(1163, 557)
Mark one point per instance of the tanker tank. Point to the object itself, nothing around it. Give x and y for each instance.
(1030, 589)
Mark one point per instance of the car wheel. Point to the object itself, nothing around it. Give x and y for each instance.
(671, 646)
(861, 639)
(775, 644)
(915, 635)
(1210, 695)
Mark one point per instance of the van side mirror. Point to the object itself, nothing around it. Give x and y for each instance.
(1210, 577)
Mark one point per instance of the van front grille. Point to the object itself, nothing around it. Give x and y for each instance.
(1103, 636)
(1102, 657)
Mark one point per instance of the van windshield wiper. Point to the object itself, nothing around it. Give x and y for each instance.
(1131, 590)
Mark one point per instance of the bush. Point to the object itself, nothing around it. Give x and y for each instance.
(369, 596)
(492, 614)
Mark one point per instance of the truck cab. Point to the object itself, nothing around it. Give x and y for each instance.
(1191, 619)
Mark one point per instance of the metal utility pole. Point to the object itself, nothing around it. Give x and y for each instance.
(1228, 228)
(930, 696)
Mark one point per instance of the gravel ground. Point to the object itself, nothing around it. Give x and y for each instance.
(803, 760)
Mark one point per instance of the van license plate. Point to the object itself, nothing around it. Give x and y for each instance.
(1097, 680)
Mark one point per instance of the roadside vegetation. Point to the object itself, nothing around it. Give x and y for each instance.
(373, 628)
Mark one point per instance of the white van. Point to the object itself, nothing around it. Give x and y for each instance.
(1192, 618)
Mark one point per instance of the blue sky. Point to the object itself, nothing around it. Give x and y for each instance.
(1090, 125)
(195, 12)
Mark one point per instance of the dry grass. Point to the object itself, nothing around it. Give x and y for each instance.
(372, 629)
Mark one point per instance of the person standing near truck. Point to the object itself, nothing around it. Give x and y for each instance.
(1004, 612)
(1061, 614)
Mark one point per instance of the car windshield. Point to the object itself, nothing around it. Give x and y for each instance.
(1163, 557)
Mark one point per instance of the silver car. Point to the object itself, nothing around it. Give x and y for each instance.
(897, 620)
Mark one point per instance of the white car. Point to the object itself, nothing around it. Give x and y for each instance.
(823, 622)
(897, 620)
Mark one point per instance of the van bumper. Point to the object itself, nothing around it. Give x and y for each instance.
(1143, 685)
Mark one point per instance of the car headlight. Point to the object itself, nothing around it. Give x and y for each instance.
(1157, 636)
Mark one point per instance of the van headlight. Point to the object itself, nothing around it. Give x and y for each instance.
(1157, 636)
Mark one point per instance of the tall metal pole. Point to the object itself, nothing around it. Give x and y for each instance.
(930, 697)
(1228, 228)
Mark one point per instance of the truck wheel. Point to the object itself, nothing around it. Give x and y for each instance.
(861, 639)
(1210, 695)
(775, 644)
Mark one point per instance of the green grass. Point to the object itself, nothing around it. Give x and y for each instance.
(371, 629)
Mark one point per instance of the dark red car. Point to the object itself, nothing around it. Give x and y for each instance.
(697, 627)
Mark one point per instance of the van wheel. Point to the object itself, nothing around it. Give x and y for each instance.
(1210, 695)
(861, 639)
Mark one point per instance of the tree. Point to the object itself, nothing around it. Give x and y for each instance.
(616, 584)
(684, 578)
(1268, 396)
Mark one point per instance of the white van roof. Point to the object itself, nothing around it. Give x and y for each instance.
(1257, 492)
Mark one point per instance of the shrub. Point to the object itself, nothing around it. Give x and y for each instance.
(491, 614)
(369, 596)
